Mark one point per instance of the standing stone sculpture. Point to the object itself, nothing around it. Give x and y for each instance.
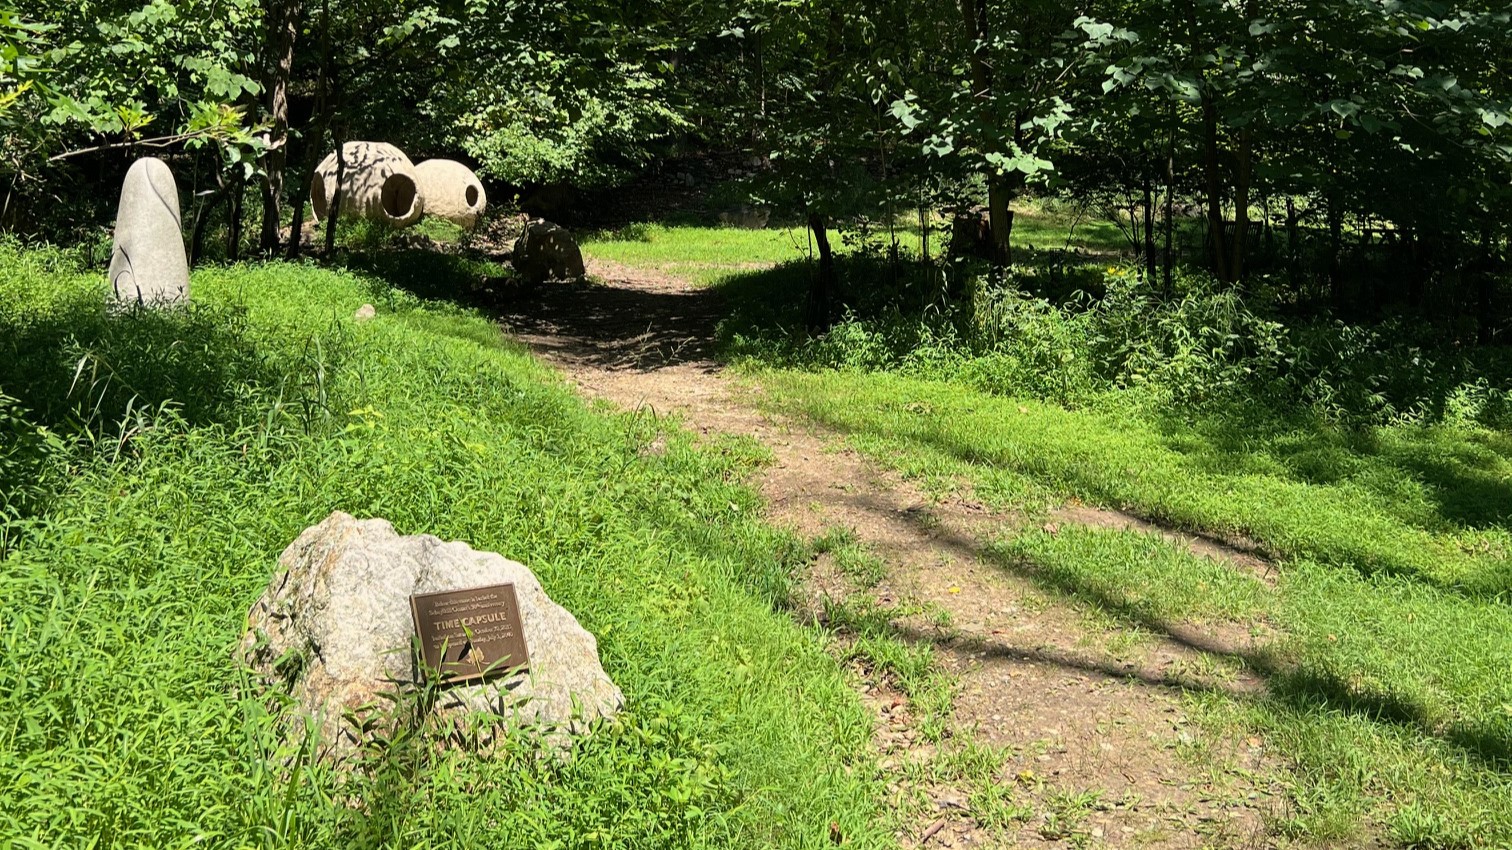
(546, 251)
(451, 191)
(147, 261)
(378, 184)
(334, 630)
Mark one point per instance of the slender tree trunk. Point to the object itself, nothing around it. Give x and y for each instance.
(312, 159)
(1214, 184)
(1335, 246)
(1149, 229)
(1293, 258)
(1170, 204)
(202, 221)
(1240, 244)
(313, 144)
(822, 290)
(1485, 285)
(333, 214)
(1416, 276)
(999, 192)
(234, 218)
(283, 31)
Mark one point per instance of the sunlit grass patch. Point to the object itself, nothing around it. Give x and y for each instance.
(124, 720)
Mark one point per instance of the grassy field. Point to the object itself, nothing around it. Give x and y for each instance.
(154, 466)
(1389, 684)
(1388, 692)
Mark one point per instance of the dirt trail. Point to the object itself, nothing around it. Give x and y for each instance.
(1099, 749)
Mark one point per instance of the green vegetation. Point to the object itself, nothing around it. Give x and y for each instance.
(705, 254)
(1387, 523)
(166, 458)
(1241, 269)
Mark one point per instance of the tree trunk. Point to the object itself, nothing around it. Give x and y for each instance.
(1149, 229)
(1240, 244)
(296, 220)
(821, 292)
(1335, 240)
(1293, 258)
(1214, 183)
(314, 143)
(197, 237)
(1485, 286)
(1000, 220)
(334, 213)
(1170, 204)
(283, 30)
(999, 192)
(234, 218)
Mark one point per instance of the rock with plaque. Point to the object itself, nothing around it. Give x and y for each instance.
(360, 615)
(469, 635)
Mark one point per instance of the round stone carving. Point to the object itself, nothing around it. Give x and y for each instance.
(379, 184)
(451, 191)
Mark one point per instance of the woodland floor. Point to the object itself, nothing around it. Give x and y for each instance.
(1091, 723)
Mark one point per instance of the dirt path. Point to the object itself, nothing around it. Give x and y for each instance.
(1086, 729)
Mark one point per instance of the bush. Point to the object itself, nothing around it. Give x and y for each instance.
(1207, 346)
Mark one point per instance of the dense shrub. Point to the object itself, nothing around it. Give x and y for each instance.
(1205, 345)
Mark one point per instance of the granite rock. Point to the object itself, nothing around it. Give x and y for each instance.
(334, 631)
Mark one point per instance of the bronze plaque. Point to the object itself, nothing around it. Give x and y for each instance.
(470, 635)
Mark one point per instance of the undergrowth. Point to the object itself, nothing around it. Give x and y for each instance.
(1084, 336)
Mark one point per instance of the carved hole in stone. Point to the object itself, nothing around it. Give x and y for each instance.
(398, 196)
(318, 196)
(472, 196)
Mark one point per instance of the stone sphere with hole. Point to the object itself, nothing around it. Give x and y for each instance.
(451, 191)
(378, 184)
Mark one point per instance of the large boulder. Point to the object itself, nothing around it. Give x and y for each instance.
(546, 251)
(147, 261)
(378, 183)
(334, 630)
(451, 191)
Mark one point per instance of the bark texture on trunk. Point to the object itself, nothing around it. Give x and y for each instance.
(283, 30)
(1000, 192)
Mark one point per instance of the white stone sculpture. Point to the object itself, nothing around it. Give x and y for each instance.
(147, 261)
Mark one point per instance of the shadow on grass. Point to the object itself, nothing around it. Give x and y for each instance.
(1436, 480)
(1462, 474)
(645, 325)
(75, 366)
(88, 374)
(1289, 684)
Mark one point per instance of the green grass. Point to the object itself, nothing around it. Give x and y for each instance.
(155, 491)
(707, 255)
(1388, 699)
(1139, 578)
(702, 254)
(1389, 686)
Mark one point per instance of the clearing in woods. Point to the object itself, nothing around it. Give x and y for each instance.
(1006, 714)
